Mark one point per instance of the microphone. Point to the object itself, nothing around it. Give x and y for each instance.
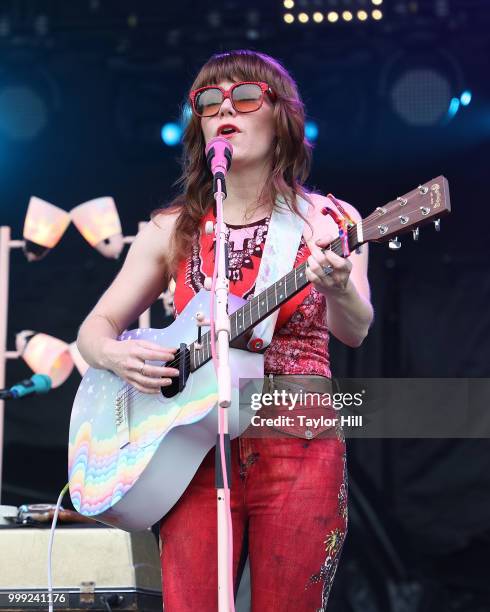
(37, 383)
(219, 152)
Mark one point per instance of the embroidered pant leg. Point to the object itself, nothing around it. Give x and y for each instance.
(295, 494)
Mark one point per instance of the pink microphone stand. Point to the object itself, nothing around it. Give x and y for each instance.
(219, 152)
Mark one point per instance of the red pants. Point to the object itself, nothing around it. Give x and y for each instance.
(292, 495)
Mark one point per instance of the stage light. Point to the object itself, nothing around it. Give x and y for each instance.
(311, 131)
(347, 16)
(23, 112)
(333, 16)
(44, 226)
(453, 108)
(303, 18)
(317, 17)
(289, 4)
(465, 98)
(288, 18)
(421, 82)
(421, 96)
(377, 2)
(47, 355)
(362, 15)
(98, 222)
(376, 14)
(171, 134)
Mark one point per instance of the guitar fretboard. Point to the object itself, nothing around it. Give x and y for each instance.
(266, 302)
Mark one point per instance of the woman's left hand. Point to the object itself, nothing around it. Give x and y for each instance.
(328, 272)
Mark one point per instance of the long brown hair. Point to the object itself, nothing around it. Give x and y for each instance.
(291, 156)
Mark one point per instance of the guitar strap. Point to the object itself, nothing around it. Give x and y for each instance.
(280, 249)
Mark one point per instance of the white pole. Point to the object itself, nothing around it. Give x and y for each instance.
(4, 303)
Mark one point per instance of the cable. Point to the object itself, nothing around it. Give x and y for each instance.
(50, 545)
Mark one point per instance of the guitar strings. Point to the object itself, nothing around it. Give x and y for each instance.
(335, 245)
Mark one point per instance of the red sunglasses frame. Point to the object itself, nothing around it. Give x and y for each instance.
(227, 93)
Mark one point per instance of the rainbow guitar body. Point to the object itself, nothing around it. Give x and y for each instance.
(131, 454)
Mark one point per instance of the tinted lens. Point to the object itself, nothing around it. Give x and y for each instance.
(247, 97)
(208, 102)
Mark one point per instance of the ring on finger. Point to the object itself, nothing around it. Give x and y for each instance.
(327, 270)
(142, 370)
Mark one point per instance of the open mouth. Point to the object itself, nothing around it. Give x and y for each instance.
(227, 130)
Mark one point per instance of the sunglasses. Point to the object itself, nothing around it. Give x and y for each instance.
(245, 97)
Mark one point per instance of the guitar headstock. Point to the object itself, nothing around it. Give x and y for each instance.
(417, 207)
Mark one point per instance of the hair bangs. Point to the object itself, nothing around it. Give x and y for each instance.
(240, 65)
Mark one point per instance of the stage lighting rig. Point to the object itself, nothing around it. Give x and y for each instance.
(338, 11)
(98, 222)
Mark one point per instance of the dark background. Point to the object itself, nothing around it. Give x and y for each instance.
(108, 75)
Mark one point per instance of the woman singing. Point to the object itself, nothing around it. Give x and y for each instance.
(288, 495)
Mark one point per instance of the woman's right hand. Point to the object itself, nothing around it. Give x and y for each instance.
(128, 360)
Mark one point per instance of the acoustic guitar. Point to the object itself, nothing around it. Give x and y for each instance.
(131, 454)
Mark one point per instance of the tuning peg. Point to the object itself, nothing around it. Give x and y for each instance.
(415, 233)
(437, 225)
(209, 228)
(395, 244)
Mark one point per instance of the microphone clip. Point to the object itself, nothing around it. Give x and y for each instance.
(221, 177)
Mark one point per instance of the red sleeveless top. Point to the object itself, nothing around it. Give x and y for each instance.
(300, 341)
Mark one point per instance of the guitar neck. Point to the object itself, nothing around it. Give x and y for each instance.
(425, 203)
(266, 302)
